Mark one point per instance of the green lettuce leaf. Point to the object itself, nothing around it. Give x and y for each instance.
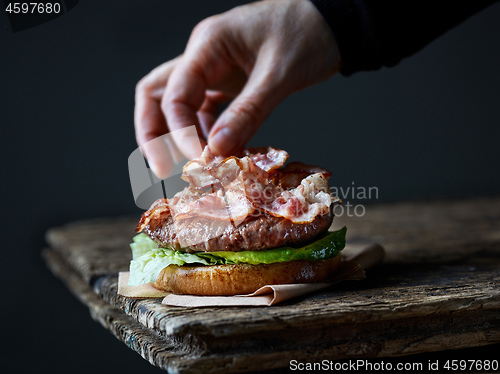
(148, 259)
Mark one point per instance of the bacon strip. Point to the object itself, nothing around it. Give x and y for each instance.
(158, 208)
(267, 158)
(252, 184)
(292, 174)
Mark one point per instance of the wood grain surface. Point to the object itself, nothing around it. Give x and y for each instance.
(437, 289)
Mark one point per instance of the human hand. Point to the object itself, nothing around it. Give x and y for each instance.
(252, 56)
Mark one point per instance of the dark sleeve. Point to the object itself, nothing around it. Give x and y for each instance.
(375, 33)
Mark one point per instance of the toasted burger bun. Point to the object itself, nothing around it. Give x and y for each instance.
(243, 278)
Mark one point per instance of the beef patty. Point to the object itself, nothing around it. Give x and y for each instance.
(253, 234)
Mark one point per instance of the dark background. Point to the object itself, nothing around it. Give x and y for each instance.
(425, 129)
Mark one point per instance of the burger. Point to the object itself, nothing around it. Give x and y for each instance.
(242, 222)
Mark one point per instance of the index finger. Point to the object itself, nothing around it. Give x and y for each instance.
(149, 121)
(184, 96)
(205, 64)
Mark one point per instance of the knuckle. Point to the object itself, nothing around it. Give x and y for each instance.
(143, 87)
(165, 104)
(171, 106)
(208, 26)
(250, 111)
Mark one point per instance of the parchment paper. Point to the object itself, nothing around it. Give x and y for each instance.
(351, 268)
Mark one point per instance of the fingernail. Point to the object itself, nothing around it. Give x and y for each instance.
(158, 156)
(154, 168)
(224, 141)
(160, 170)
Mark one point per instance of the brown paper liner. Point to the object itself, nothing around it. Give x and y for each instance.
(144, 291)
(351, 268)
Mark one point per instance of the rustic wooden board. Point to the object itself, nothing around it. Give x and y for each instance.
(438, 289)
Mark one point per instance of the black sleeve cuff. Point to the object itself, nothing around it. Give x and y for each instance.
(375, 33)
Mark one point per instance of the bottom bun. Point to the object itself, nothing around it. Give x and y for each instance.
(242, 279)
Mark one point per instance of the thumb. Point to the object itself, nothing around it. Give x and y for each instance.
(243, 117)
